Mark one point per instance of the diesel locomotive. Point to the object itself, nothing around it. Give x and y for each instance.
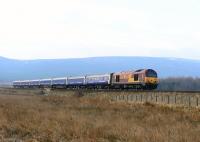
(145, 79)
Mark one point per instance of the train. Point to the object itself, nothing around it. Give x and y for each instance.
(145, 79)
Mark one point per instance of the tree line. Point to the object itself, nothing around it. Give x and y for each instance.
(179, 84)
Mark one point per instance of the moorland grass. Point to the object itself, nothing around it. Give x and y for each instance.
(94, 119)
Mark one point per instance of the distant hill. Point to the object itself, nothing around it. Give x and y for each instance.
(11, 69)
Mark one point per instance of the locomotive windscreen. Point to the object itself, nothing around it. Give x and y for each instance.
(151, 73)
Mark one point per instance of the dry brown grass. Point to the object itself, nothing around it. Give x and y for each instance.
(93, 119)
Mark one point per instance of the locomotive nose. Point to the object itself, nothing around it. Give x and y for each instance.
(151, 80)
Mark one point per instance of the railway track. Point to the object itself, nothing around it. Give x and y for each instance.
(129, 91)
(97, 90)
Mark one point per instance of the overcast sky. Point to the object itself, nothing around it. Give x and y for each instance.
(32, 29)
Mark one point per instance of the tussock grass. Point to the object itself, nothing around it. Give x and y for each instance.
(94, 119)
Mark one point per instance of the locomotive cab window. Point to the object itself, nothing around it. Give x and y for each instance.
(136, 77)
(117, 78)
(151, 73)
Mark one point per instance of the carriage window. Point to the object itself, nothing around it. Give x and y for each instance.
(136, 77)
(117, 78)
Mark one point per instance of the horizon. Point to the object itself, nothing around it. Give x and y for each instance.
(57, 29)
(170, 58)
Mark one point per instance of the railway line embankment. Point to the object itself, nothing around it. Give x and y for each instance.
(173, 98)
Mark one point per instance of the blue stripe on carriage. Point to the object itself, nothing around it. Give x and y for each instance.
(97, 82)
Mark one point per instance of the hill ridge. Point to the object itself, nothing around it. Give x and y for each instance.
(12, 69)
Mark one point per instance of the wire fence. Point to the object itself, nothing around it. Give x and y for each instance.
(179, 100)
(189, 99)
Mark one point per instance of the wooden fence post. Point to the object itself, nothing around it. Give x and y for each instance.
(175, 99)
(182, 100)
(168, 99)
(189, 101)
(146, 98)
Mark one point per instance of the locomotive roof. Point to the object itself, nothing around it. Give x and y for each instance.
(131, 71)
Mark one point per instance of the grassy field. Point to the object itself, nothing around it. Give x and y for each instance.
(93, 119)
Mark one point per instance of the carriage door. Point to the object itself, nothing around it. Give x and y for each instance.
(117, 78)
(136, 77)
